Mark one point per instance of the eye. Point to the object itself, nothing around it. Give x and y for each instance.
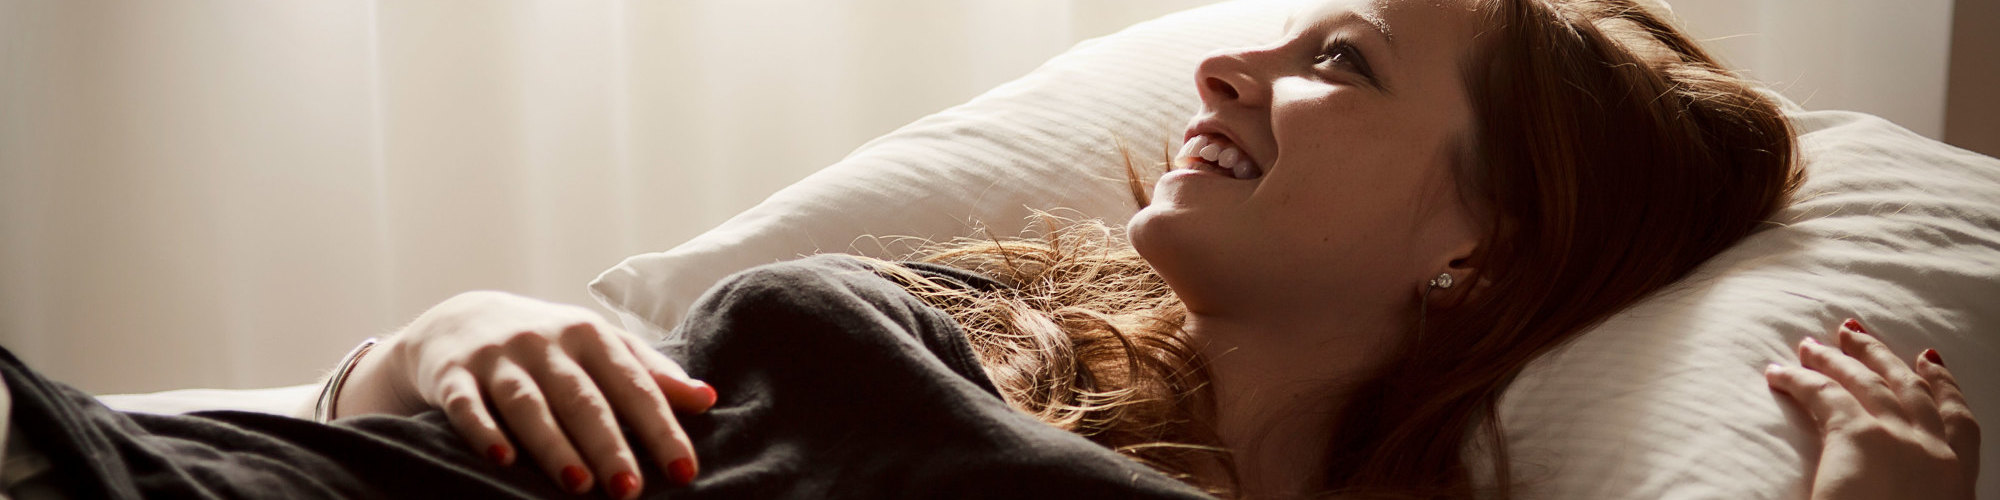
(1340, 53)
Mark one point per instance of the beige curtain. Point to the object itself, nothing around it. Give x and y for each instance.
(230, 193)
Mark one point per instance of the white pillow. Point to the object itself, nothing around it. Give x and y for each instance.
(1665, 400)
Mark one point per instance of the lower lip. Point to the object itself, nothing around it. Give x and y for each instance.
(1203, 169)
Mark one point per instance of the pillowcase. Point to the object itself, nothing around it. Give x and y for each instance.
(1664, 400)
(1667, 399)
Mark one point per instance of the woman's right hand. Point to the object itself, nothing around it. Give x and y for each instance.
(560, 377)
(1887, 431)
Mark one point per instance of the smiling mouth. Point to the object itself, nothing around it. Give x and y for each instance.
(1216, 152)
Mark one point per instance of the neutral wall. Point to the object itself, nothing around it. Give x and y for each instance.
(1972, 109)
(1886, 58)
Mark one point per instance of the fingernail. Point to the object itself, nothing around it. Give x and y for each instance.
(1772, 368)
(1932, 355)
(575, 479)
(1854, 324)
(498, 453)
(682, 470)
(1810, 340)
(623, 485)
(707, 394)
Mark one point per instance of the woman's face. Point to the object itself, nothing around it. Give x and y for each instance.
(1350, 125)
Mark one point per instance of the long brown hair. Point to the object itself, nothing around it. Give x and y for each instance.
(1609, 156)
(1612, 155)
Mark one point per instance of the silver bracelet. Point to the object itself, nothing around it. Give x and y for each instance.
(323, 411)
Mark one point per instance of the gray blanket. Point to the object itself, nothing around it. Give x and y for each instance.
(834, 383)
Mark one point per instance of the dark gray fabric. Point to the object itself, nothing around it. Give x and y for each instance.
(833, 383)
(95, 452)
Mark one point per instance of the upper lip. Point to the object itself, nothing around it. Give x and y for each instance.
(1211, 126)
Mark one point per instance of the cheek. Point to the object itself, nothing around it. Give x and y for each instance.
(1350, 158)
(1357, 215)
(1354, 194)
(1355, 229)
(1358, 142)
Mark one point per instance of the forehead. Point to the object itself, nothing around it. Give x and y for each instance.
(1390, 17)
(1331, 11)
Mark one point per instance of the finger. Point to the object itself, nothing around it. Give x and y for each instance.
(1862, 383)
(637, 399)
(465, 408)
(1828, 402)
(682, 390)
(526, 410)
(587, 417)
(1911, 391)
(1960, 430)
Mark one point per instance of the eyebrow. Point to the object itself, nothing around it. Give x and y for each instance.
(1373, 20)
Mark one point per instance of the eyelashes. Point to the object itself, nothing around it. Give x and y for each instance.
(1342, 52)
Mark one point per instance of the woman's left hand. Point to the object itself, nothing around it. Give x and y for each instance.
(558, 376)
(1887, 431)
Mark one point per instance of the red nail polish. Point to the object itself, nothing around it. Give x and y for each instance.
(623, 485)
(682, 471)
(1854, 324)
(707, 394)
(1932, 355)
(499, 453)
(575, 479)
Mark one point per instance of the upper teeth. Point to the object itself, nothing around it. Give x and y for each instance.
(1222, 153)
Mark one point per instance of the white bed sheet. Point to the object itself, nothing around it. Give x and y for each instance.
(274, 400)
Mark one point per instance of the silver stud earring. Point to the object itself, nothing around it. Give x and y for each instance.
(1442, 281)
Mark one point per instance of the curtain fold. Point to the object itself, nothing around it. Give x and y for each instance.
(230, 193)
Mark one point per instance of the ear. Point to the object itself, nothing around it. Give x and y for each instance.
(1468, 283)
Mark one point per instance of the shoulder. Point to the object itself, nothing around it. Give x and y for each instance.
(822, 274)
(821, 305)
(817, 299)
(813, 280)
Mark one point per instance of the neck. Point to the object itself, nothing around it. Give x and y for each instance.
(1278, 383)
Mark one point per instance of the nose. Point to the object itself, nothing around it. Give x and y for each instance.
(1230, 78)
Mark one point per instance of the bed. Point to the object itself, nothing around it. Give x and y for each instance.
(1664, 400)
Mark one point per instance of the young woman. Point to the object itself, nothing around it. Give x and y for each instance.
(1380, 218)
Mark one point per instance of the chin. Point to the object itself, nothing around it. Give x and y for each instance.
(1145, 230)
(1176, 247)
